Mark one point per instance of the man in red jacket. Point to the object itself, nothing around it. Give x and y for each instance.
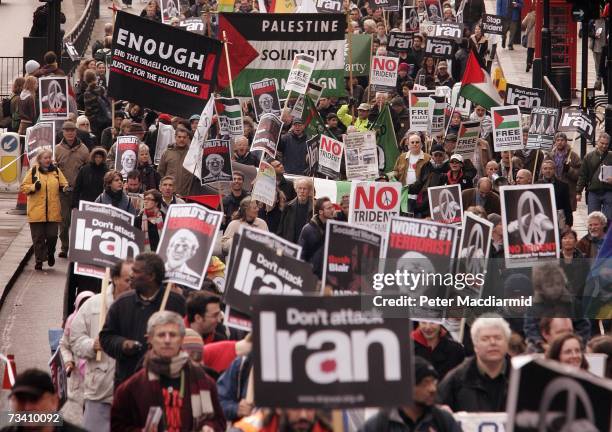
(169, 382)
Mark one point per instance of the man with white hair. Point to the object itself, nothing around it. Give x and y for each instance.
(182, 246)
(480, 383)
(523, 177)
(590, 244)
(168, 380)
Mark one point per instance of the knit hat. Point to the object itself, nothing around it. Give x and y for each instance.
(423, 369)
(494, 218)
(31, 66)
(192, 342)
(404, 67)
(436, 148)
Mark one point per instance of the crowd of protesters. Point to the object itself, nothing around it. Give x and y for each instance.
(185, 360)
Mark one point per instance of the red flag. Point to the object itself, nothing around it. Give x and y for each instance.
(240, 52)
(210, 201)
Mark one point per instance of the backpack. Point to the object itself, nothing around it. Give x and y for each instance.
(104, 115)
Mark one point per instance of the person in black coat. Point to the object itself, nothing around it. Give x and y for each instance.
(433, 343)
(298, 211)
(89, 183)
(562, 192)
(480, 383)
(312, 237)
(123, 335)
(422, 414)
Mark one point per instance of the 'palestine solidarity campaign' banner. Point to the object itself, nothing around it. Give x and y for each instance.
(162, 67)
(278, 38)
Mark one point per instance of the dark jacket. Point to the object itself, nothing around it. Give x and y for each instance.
(247, 159)
(127, 318)
(149, 177)
(230, 205)
(430, 176)
(562, 198)
(286, 186)
(444, 357)
(466, 389)
(590, 171)
(232, 386)
(289, 227)
(312, 240)
(124, 204)
(434, 419)
(134, 398)
(471, 197)
(472, 11)
(89, 183)
(401, 122)
(153, 234)
(465, 180)
(293, 149)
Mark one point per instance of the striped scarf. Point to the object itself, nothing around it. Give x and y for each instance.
(155, 217)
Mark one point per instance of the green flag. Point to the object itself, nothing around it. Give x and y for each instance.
(361, 49)
(385, 137)
(313, 123)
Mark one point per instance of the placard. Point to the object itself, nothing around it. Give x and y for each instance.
(361, 155)
(373, 204)
(330, 156)
(300, 73)
(267, 134)
(574, 120)
(383, 75)
(493, 24)
(39, 137)
(507, 129)
(542, 128)
(264, 189)
(265, 98)
(53, 98)
(525, 98)
(445, 203)
(467, 139)
(216, 161)
(418, 108)
(127, 154)
(438, 47)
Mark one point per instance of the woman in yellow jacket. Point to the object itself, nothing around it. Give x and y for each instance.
(42, 185)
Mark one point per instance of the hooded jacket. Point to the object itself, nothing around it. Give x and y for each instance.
(90, 179)
(44, 204)
(312, 240)
(71, 158)
(444, 357)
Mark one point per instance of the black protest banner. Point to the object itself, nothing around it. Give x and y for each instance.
(216, 161)
(434, 10)
(53, 98)
(438, 47)
(59, 377)
(162, 67)
(312, 156)
(493, 24)
(329, 6)
(194, 25)
(567, 398)
(40, 137)
(350, 255)
(400, 42)
(525, 98)
(187, 242)
(267, 134)
(542, 129)
(265, 98)
(449, 30)
(101, 236)
(386, 5)
(259, 269)
(445, 204)
(574, 120)
(529, 218)
(365, 361)
(425, 249)
(473, 251)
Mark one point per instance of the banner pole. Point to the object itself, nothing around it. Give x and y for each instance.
(102, 316)
(337, 421)
(166, 295)
(511, 180)
(349, 26)
(535, 165)
(370, 85)
(229, 71)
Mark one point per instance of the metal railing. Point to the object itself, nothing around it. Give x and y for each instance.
(80, 34)
(552, 98)
(10, 68)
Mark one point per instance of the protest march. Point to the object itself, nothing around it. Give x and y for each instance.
(310, 216)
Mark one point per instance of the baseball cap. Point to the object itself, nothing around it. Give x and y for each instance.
(436, 148)
(69, 125)
(364, 107)
(33, 383)
(423, 369)
(297, 120)
(457, 157)
(194, 117)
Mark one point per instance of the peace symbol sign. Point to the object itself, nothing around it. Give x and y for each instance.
(446, 205)
(529, 206)
(574, 393)
(475, 250)
(386, 198)
(55, 96)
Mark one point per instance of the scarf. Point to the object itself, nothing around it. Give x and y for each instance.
(25, 94)
(454, 180)
(115, 197)
(156, 219)
(197, 382)
(559, 159)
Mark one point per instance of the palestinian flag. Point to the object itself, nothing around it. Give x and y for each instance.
(240, 53)
(332, 189)
(385, 137)
(419, 99)
(229, 113)
(507, 118)
(470, 132)
(313, 123)
(275, 39)
(476, 84)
